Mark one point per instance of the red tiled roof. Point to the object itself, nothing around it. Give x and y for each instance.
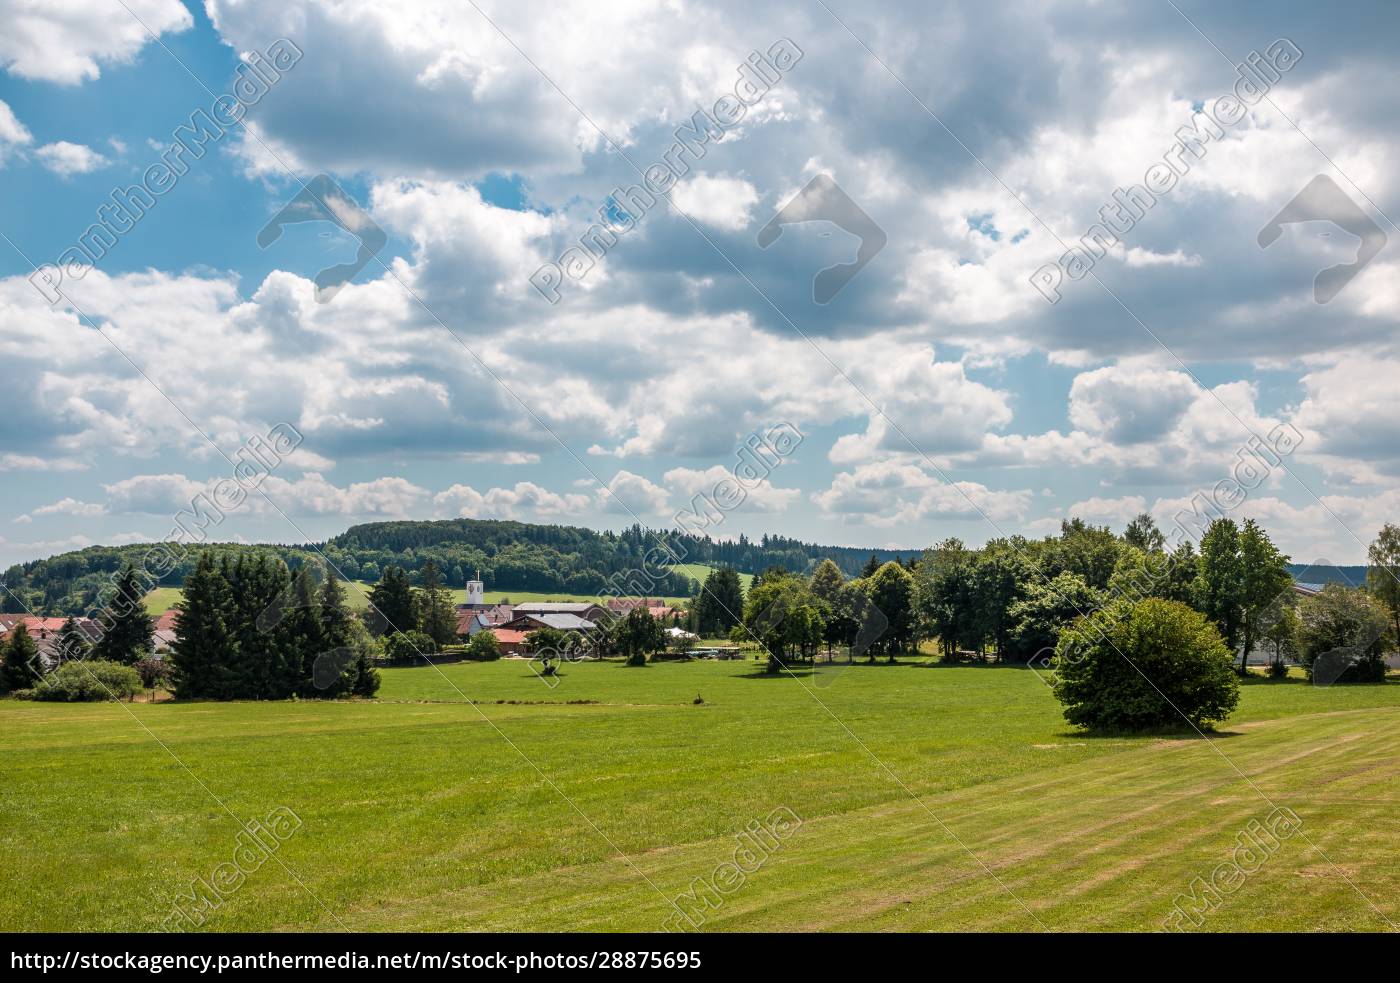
(509, 636)
(166, 622)
(32, 624)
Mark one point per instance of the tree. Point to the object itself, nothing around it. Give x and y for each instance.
(364, 675)
(72, 643)
(552, 643)
(1182, 567)
(638, 635)
(436, 617)
(999, 579)
(827, 581)
(1383, 577)
(1143, 534)
(484, 647)
(871, 565)
(391, 603)
(783, 615)
(408, 647)
(892, 593)
(154, 673)
(20, 667)
(127, 629)
(945, 595)
(720, 604)
(1281, 634)
(1144, 665)
(1090, 551)
(340, 646)
(1219, 588)
(302, 634)
(1047, 609)
(853, 620)
(266, 625)
(205, 649)
(1341, 636)
(1264, 580)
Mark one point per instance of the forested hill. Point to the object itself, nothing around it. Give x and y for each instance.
(1309, 574)
(512, 550)
(509, 555)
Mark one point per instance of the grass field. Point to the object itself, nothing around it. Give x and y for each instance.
(931, 798)
(357, 596)
(162, 599)
(699, 571)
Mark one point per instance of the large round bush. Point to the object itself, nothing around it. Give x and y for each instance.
(1144, 666)
(88, 681)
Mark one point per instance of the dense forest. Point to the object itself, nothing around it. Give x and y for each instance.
(509, 555)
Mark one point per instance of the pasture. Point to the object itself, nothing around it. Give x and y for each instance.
(473, 796)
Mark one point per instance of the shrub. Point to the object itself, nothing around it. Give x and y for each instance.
(484, 647)
(1101, 661)
(88, 682)
(1278, 670)
(407, 647)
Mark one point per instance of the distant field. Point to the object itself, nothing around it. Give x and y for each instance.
(357, 596)
(162, 599)
(699, 571)
(930, 798)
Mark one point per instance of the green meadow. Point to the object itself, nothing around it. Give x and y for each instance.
(474, 796)
(162, 599)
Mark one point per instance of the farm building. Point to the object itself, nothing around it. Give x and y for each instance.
(580, 609)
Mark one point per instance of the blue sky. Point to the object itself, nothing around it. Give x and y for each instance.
(938, 393)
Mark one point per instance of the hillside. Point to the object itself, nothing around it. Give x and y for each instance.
(517, 559)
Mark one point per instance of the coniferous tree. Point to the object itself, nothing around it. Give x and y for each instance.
(269, 669)
(72, 643)
(437, 618)
(871, 565)
(205, 651)
(19, 661)
(127, 629)
(338, 638)
(302, 635)
(361, 675)
(720, 605)
(392, 605)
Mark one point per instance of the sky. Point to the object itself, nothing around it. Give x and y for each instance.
(954, 166)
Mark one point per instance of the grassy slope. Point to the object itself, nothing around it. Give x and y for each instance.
(420, 815)
(699, 571)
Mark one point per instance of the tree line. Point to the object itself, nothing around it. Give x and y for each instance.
(1012, 599)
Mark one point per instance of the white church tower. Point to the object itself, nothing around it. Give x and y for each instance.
(476, 591)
